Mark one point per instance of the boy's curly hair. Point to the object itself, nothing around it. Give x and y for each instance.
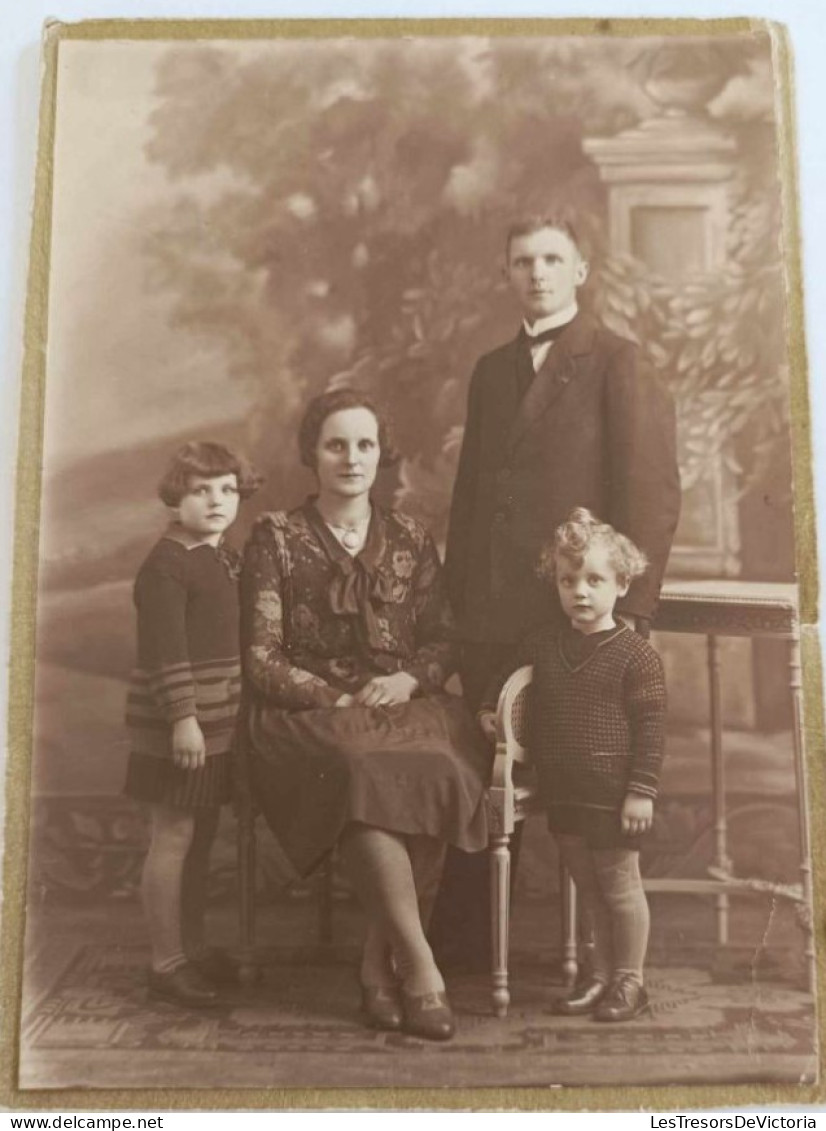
(578, 533)
(207, 460)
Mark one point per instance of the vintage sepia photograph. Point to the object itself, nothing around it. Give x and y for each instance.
(422, 549)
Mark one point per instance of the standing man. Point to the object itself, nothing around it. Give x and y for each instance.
(560, 417)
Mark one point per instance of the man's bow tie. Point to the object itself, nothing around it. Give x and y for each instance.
(545, 336)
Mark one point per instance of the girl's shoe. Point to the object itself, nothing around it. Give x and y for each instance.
(625, 999)
(381, 1007)
(183, 986)
(583, 998)
(428, 1015)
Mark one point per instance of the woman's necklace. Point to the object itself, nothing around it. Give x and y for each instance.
(352, 535)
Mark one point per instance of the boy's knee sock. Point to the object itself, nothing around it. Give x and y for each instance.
(579, 860)
(619, 875)
(598, 918)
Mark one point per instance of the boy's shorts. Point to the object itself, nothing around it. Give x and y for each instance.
(600, 828)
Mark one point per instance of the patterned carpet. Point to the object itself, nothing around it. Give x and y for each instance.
(92, 1026)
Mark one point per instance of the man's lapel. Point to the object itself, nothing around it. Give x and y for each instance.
(561, 366)
(508, 384)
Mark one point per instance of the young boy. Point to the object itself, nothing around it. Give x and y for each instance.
(597, 721)
(559, 417)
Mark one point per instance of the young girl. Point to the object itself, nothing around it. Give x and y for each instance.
(181, 710)
(596, 731)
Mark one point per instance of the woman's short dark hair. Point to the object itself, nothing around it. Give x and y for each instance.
(337, 400)
(206, 460)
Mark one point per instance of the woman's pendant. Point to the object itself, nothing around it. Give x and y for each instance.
(351, 539)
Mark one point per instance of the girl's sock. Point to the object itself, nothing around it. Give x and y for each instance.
(195, 882)
(171, 837)
(167, 965)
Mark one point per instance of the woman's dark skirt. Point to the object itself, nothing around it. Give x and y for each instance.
(417, 768)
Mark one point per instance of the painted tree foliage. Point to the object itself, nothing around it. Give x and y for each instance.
(341, 208)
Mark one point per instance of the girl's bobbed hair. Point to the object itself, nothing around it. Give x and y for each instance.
(206, 460)
(337, 400)
(582, 530)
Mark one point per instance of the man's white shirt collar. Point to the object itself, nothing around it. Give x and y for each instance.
(552, 321)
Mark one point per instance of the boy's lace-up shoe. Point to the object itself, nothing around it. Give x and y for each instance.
(583, 998)
(624, 1000)
(183, 986)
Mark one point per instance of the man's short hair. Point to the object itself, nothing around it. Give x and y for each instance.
(527, 225)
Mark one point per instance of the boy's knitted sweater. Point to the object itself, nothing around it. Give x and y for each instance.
(188, 646)
(597, 715)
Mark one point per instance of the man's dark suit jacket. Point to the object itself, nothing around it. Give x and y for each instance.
(590, 431)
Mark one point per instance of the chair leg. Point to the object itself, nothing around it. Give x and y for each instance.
(247, 969)
(567, 888)
(500, 881)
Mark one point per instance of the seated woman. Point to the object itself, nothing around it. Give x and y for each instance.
(347, 644)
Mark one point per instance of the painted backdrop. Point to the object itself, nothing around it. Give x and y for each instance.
(238, 225)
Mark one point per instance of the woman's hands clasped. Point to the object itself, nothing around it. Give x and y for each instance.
(382, 691)
(387, 690)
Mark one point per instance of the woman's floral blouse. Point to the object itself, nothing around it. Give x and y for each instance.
(317, 622)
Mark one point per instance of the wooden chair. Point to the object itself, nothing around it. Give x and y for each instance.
(512, 797)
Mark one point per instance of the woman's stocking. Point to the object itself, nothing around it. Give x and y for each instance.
(427, 858)
(376, 958)
(379, 866)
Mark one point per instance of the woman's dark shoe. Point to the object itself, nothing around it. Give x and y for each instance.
(381, 1007)
(626, 999)
(217, 967)
(583, 998)
(183, 986)
(428, 1016)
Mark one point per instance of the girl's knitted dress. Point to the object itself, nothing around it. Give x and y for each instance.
(188, 663)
